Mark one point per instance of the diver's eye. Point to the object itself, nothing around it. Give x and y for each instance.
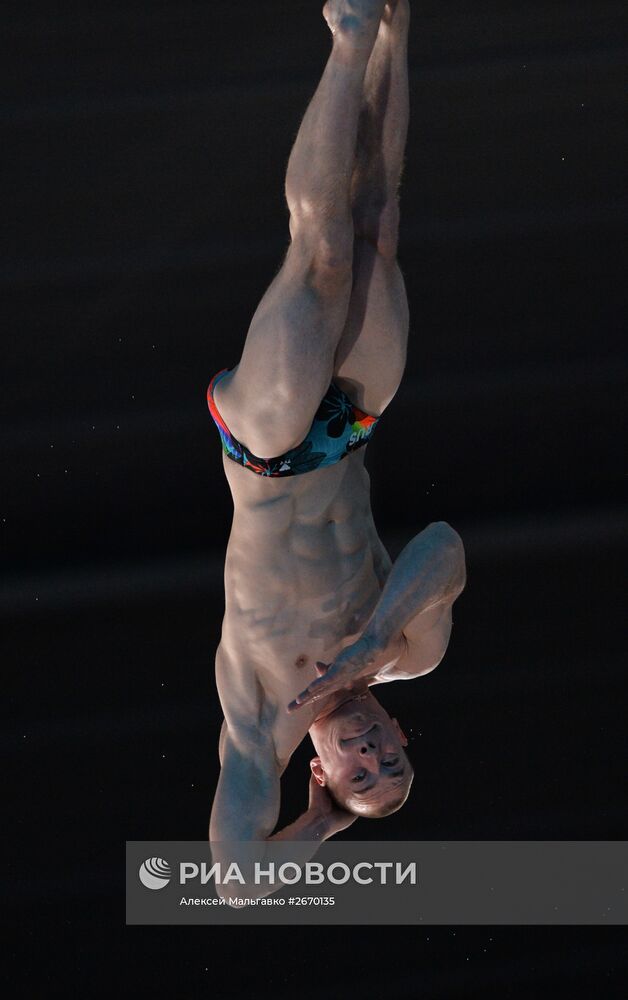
(390, 762)
(358, 778)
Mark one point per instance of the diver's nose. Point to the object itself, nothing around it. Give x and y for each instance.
(369, 756)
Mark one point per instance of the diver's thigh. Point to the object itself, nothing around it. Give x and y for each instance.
(287, 360)
(371, 354)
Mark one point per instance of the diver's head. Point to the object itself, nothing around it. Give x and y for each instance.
(361, 757)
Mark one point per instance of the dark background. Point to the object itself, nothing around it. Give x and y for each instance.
(143, 196)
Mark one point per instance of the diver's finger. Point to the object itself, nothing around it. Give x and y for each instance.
(322, 685)
(305, 698)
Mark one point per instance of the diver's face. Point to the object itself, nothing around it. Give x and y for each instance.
(361, 755)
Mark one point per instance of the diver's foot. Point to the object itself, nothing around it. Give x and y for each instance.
(396, 17)
(354, 23)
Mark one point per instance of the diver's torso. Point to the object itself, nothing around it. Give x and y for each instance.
(304, 570)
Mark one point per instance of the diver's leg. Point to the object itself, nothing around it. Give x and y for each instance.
(288, 357)
(371, 354)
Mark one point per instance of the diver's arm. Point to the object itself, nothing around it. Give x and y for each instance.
(415, 604)
(408, 632)
(246, 803)
(246, 808)
(430, 571)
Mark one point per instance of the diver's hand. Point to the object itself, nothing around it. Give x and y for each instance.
(355, 662)
(333, 817)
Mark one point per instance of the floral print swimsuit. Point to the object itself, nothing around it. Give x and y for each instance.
(338, 428)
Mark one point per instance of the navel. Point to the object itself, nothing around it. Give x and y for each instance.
(300, 661)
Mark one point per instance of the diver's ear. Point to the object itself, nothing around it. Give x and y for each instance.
(400, 733)
(317, 770)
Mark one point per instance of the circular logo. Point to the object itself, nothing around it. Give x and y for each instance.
(155, 873)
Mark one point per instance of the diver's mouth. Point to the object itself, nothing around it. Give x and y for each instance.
(360, 736)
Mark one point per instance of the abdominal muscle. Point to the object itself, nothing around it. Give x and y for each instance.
(303, 572)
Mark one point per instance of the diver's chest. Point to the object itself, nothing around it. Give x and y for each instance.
(286, 663)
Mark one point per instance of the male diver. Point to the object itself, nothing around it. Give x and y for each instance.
(316, 614)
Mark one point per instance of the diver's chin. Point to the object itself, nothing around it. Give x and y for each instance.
(341, 703)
